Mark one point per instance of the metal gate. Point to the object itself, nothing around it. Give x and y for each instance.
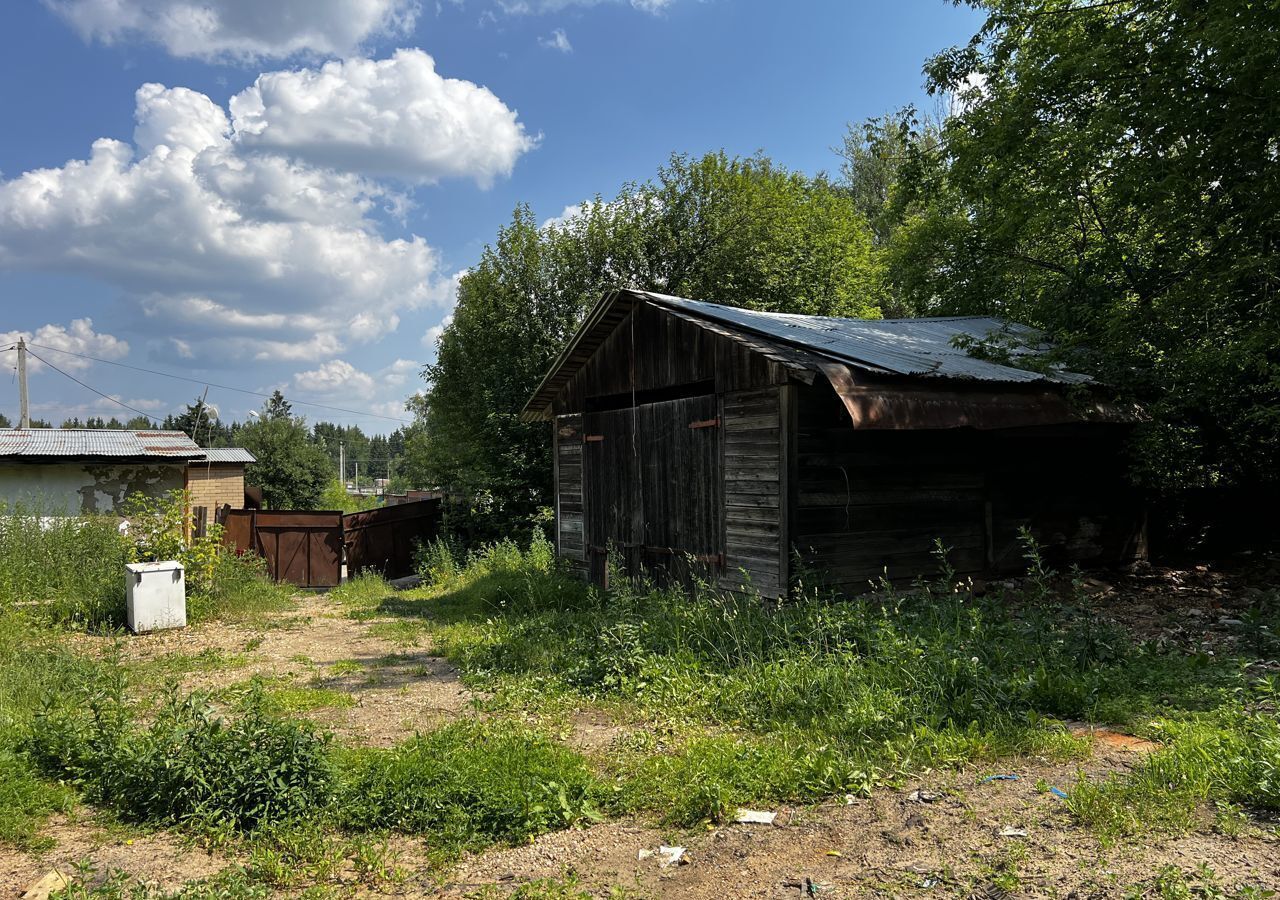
(384, 540)
(302, 548)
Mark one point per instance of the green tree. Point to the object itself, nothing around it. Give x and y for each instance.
(291, 469)
(1110, 173)
(739, 231)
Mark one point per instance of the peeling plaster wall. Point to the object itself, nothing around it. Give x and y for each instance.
(79, 487)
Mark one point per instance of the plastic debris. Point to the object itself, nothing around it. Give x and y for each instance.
(923, 796)
(834, 853)
(1010, 831)
(1058, 792)
(643, 853)
(671, 856)
(1001, 778)
(755, 817)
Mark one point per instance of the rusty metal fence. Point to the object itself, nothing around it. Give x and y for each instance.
(307, 548)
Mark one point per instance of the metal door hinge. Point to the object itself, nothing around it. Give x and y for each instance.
(592, 438)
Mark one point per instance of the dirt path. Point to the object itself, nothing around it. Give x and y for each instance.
(966, 841)
(394, 688)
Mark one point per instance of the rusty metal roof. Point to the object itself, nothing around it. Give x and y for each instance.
(917, 348)
(922, 348)
(96, 442)
(227, 455)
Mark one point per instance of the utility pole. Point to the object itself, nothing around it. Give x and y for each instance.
(357, 476)
(24, 416)
(342, 464)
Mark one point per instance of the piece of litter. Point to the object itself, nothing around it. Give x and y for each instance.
(643, 853)
(755, 817)
(671, 856)
(834, 853)
(928, 883)
(923, 796)
(1010, 831)
(1058, 792)
(850, 799)
(1001, 778)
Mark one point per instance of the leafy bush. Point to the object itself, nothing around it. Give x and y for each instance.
(467, 785)
(189, 765)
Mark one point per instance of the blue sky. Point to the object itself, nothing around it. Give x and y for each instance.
(281, 194)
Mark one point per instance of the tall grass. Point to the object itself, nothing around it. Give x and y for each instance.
(67, 569)
(822, 695)
(70, 570)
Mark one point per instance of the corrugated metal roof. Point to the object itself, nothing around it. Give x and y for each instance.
(95, 442)
(916, 347)
(227, 455)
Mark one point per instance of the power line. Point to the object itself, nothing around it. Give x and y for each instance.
(221, 387)
(89, 387)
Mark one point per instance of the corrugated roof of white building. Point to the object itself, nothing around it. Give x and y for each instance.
(97, 442)
(227, 455)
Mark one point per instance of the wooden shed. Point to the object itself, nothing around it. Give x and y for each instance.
(746, 441)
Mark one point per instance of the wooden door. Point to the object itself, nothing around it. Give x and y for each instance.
(653, 487)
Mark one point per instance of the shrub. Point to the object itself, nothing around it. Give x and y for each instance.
(189, 765)
(468, 784)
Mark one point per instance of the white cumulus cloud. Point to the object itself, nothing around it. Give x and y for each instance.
(262, 244)
(240, 29)
(393, 117)
(336, 377)
(78, 337)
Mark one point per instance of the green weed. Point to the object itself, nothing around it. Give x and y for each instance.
(467, 785)
(189, 765)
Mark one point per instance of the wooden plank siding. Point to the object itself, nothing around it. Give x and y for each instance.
(755, 490)
(567, 462)
(669, 352)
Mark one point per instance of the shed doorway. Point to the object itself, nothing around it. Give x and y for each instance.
(653, 488)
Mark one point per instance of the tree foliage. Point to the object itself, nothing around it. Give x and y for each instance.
(738, 231)
(1110, 173)
(291, 469)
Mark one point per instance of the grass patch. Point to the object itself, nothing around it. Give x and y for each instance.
(822, 696)
(1233, 757)
(188, 765)
(364, 590)
(469, 784)
(33, 666)
(69, 570)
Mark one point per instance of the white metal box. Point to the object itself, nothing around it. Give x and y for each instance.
(156, 596)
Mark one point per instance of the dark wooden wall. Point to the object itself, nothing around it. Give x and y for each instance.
(669, 352)
(872, 502)
(570, 535)
(756, 489)
(652, 487)
(638, 478)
